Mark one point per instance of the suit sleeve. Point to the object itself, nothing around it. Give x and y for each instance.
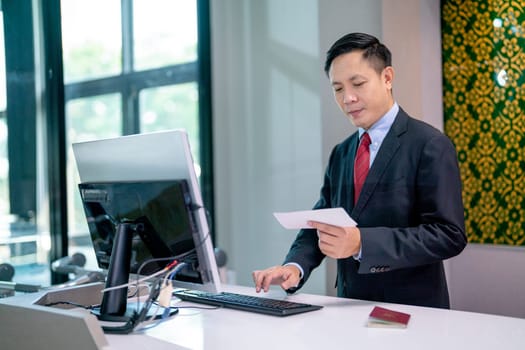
(436, 231)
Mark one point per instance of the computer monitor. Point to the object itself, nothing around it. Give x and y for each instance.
(131, 169)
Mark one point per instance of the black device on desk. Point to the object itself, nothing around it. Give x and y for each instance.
(268, 306)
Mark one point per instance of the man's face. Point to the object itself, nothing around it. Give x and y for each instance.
(361, 93)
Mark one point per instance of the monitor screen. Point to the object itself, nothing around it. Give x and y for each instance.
(149, 177)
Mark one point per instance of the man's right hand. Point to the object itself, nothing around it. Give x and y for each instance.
(287, 277)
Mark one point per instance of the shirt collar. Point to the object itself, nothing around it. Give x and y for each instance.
(380, 128)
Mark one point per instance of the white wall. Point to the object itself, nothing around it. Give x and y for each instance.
(267, 126)
(275, 123)
(336, 18)
(413, 33)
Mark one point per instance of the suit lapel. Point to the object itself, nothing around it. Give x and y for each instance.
(350, 171)
(384, 156)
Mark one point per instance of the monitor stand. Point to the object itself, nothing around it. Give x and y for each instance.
(115, 306)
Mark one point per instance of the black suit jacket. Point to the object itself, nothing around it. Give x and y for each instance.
(410, 214)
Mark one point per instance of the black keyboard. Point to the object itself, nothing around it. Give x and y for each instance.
(246, 302)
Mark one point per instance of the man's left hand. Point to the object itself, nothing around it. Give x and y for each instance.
(337, 242)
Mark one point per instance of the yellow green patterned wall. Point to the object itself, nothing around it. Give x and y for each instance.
(484, 100)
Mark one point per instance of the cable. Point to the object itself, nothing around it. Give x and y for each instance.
(137, 317)
(166, 270)
(166, 292)
(136, 283)
(155, 314)
(158, 286)
(173, 258)
(200, 307)
(134, 291)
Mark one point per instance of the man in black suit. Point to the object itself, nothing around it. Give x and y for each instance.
(407, 201)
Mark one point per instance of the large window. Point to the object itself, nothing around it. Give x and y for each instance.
(125, 67)
(135, 71)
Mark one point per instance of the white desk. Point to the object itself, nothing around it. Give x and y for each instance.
(339, 325)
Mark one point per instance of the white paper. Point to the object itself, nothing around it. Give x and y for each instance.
(299, 219)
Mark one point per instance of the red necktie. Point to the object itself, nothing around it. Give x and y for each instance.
(361, 165)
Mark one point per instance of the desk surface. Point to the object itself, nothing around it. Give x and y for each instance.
(341, 324)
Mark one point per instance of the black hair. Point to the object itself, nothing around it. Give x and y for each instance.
(374, 51)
